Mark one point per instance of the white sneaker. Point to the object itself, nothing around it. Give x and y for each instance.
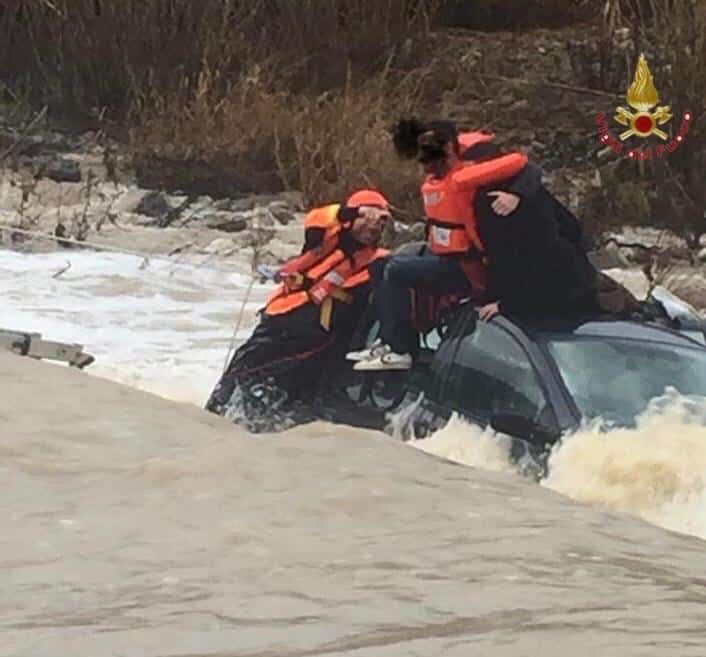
(372, 351)
(385, 360)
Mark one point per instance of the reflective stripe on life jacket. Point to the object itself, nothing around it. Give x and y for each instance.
(448, 202)
(325, 273)
(330, 278)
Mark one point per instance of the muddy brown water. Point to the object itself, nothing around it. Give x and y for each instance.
(137, 526)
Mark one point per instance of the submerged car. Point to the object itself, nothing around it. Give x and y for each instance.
(533, 381)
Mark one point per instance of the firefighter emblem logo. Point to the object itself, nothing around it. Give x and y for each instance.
(643, 118)
(642, 96)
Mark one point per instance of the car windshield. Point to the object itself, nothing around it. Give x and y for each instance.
(616, 379)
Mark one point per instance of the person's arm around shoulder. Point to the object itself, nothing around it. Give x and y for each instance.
(479, 174)
(525, 186)
(527, 183)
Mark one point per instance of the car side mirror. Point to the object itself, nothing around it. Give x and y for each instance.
(519, 426)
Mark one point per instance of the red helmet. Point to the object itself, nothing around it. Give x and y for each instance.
(367, 197)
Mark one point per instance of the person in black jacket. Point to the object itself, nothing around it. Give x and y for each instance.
(537, 264)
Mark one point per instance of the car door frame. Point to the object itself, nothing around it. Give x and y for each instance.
(552, 389)
(565, 410)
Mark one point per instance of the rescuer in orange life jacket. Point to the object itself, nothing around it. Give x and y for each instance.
(307, 323)
(453, 261)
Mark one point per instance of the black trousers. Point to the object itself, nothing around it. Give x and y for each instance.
(274, 377)
(402, 273)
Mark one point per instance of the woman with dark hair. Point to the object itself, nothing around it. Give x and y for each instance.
(453, 260)
(534, 255)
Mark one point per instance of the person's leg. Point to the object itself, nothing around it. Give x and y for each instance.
(438, 274)
(394, 302)
(387, 304)
(273, 372)
(402, 274)
(252, 355)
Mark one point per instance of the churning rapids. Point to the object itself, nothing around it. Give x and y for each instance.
(139, 526)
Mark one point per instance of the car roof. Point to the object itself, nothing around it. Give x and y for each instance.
(605, 328)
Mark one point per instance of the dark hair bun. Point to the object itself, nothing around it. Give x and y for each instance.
(405, 136)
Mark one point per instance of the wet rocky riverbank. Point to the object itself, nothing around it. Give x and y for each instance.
(81, 187)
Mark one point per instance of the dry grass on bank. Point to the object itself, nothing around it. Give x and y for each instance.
(295, 93)
(251, 95)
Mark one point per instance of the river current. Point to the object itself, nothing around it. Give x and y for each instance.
(126, 536)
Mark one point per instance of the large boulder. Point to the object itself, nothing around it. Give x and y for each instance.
(10, 195)
(51, 194)
(60, 169)
(221, 247)
(281, 251)
(690, 286)
(227, 222)
(154, 204)
(130, 200)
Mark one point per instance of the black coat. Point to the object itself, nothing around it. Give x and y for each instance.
(537, 265)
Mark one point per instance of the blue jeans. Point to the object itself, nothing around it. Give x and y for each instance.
(393, 303)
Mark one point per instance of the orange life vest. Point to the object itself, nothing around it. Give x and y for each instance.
(324, 273)
(448, 202)
(467, 140)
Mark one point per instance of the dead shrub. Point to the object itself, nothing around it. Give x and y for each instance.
(85, 55)
(229, 96)
(510, 14)
(323, 145)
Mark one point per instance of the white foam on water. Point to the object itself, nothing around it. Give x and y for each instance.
(656, 471)
(164, 328)
(470, 445)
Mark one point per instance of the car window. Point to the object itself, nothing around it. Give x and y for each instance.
(491, 374)
(616, 379)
